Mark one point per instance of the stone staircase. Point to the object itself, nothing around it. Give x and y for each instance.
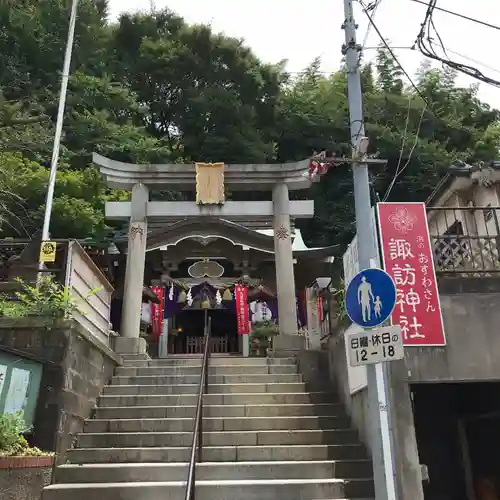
(265, 437)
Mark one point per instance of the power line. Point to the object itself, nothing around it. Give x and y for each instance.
(475, 61)
(396, 60)
(399, 172)
(373, 8)
(463, 16)
(425, 44)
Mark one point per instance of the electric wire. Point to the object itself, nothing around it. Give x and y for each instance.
(426, 107)
(372, 7)
(463, 16)
(396, 60)
(410, 155)
(425, 44)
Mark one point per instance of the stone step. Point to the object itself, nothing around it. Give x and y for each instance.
(266, 489)
(256, 410)
(212, 379)
(218, 399)
(217, 438)
(217, 424)
(218, 453)
(213, 361)
(115, 473)
(129, 371)
(136, 390)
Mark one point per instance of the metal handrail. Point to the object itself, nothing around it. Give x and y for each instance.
(197, 446)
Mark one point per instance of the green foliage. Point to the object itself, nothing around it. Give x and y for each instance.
(264, 329)
(152, 88)
(339, 295)
(49, 299)
(12, 441)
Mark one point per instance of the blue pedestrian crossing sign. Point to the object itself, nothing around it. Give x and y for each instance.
(370, 298)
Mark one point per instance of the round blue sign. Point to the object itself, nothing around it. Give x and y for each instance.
(370, 298)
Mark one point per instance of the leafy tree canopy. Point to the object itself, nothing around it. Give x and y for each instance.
(152, 88)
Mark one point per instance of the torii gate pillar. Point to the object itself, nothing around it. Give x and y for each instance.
(130, 342)
(285, 279)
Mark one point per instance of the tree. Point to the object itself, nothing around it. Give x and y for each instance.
(207, 95)
(419, 139)
(151, 88)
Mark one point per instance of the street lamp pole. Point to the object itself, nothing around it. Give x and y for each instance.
(59, 123)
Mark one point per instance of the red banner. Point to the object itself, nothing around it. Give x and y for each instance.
(319, 305)
(408, 257)
(242, 314)
(157, 311)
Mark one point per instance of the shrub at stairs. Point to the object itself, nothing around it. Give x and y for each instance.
(24, 470)
(261, 337)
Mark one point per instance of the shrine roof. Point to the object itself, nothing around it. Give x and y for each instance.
(121, 175)
(206, 228)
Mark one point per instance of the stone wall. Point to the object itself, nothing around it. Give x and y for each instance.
(76, 367)
(24, 484)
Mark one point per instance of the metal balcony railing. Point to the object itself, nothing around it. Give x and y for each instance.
(465, 240)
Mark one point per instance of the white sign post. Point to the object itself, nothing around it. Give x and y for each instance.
(375, 346)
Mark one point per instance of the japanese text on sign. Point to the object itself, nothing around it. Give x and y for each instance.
(157, 310)
(375, 346)
(242, 314)
(407, 256)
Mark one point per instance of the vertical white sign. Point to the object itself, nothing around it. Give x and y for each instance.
(356, 375)
(350, 258)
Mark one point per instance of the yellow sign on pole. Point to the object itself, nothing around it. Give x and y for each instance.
(48, 251)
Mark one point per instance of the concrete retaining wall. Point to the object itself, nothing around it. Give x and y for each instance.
(405, 452)
(76, 367)
(471, 314)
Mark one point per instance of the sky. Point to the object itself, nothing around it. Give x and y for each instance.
(299, 31)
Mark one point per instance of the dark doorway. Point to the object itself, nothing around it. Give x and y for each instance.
(458, 436)
(190, 323)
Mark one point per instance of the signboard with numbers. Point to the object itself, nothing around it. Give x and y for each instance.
(408, 257)
(375, 346)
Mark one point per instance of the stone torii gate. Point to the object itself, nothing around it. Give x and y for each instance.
(210, 180)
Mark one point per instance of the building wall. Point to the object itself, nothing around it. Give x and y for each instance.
(440, 220)
(471, 314)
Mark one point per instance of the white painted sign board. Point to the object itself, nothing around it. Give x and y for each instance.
(350, 258)
(375, 346)
(356, 375)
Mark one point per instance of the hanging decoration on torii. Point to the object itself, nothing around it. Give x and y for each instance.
(318, 166)
(210, 184)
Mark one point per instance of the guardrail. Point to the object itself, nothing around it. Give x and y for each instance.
(197, 446)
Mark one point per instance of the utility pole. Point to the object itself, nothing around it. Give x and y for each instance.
(383, 463)
(59, 124)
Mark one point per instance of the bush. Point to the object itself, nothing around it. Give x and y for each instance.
(264, 329)
(49, 299)
(12, 441)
